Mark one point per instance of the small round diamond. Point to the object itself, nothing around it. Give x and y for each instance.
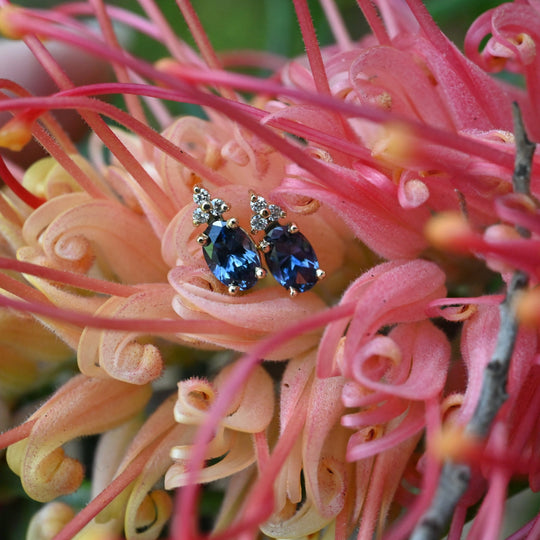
(201, 195)
(218, 207)
(200, 216)
(258, 204)
(275, 212)
(258, 223)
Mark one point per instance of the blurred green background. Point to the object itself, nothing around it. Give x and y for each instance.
(271, 24)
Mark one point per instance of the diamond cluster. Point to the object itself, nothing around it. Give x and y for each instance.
(208, 209)
(264, 213)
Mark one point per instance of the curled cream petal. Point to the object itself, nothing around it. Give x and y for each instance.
(195, 396)
(73, 230)
(256, 403)
(46, 178)
(49, 521)
(238, 456)
(296, 378)
(125, 356)
(251, 316)
(324, 444)
(303, 522)
(45, 471)
(148, 509)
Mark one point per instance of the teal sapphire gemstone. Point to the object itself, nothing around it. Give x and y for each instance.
(231, 255)
(291, 258)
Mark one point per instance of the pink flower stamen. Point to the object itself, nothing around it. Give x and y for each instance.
(327, 412)
(17, 188)
(16, 434)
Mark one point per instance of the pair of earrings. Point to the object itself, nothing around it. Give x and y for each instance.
(233, 257)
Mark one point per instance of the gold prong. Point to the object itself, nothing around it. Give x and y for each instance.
(233, 289)
(293, 228)
(206, 206)
(293, 292)
(202, 239)
(260, 273)
(321, 274)
(197, 189)
(264, 213)
(232, 223)
(253, 197)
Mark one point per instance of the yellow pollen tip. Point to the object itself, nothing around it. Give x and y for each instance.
(397, 143)
(444, 229)
(15, 135)
(7, 28)
(528, 307)
(453, 443)
(168, 65)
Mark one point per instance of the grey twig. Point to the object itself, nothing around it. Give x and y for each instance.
(454, 478)
(521, 178)
(493, 393)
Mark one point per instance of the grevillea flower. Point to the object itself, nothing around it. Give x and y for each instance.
(323, 414)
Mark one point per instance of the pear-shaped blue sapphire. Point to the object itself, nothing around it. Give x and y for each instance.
(291, 258)
(231, 255)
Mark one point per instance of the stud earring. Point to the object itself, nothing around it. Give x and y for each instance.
(229, 252)
(289, 256)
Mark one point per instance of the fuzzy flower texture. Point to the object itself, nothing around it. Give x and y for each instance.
(321, 415)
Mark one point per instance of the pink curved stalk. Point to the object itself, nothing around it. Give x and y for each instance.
(453, 141)
(260, 501)
(116, 13)
(165, 32)
(198, 33)
(374, 21)
(430, 477)
(121, 482)
(161, 203)
(155, 326)
(16, 434)
(48, 120)
(20, 289)
(134, 106)
(20, 191)
(337, 25)
(434, 135)
(312, 47)
(68, 278)
(187, 501)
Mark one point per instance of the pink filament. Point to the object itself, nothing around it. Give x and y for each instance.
(121, 482)
(154, 326)
(16, 434)
(20, 191)
(68, 278)
(186, 508)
